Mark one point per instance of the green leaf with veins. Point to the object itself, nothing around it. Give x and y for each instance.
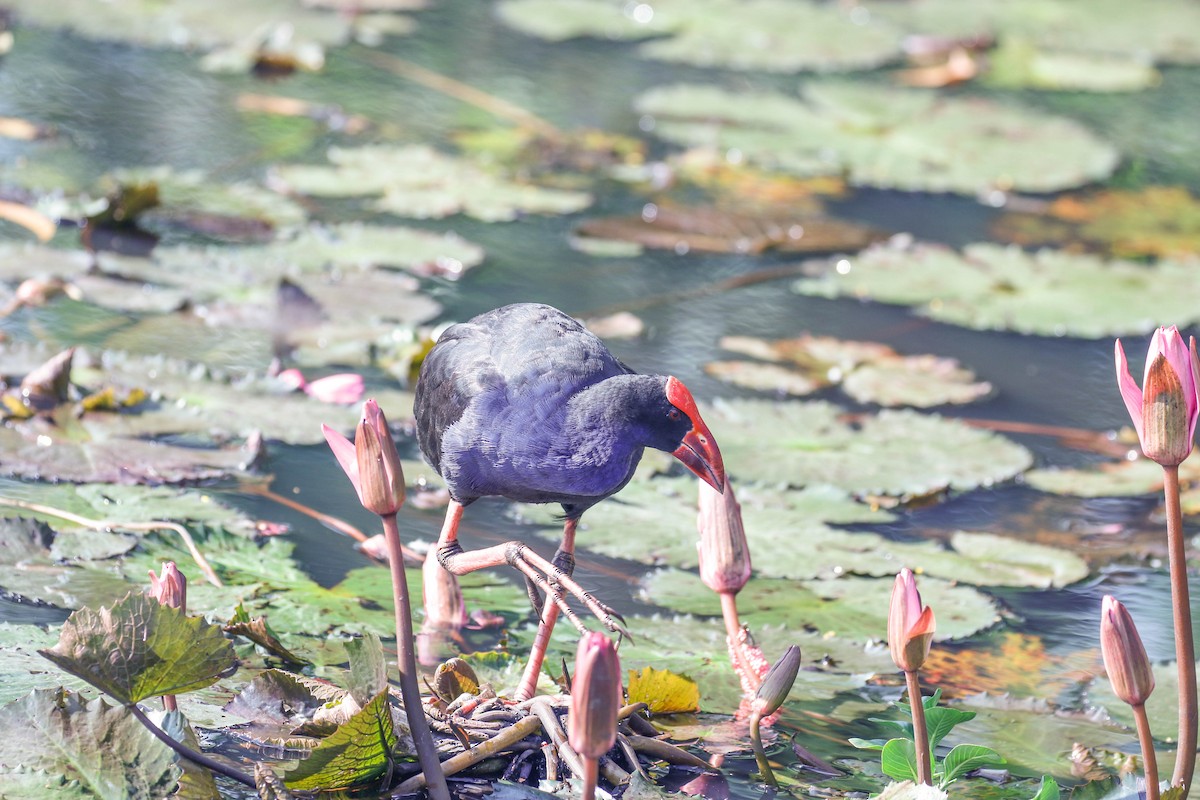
(355, 754)
(139, 648)
(103, 747)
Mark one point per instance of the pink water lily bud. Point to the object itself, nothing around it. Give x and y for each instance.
(1165, 408)
(910, 627)
(371, 461)
(724, 552)
(1125, 658)
(171, 588)
(595, 696)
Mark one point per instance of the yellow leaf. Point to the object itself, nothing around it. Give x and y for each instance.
(663, 691)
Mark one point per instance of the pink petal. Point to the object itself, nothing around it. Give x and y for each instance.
(1194, 393)
(344, 388)
(344, 452)
(292, 378)
(1131, 393)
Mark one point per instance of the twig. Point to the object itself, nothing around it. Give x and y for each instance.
(187, 752)
(461, 91)
(666, 751)
(479, 752)
(339, 525)
(107, 525)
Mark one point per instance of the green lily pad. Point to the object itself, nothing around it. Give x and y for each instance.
(854, 608)
(24, 669)
(418, 181)
(1163, 703)
(867, 371)
(986, 559)
(1115, 479)
(139, 648)
(193, 24)
(191, 199)
(897, 454)
(695, 648)
(1019, 64)
(770, 35)
(104, 748)
(664, 509)
(885, 138)
(355, 754)
(1149, 32)
(991, 287)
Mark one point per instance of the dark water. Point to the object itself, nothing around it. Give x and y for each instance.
(126, 106)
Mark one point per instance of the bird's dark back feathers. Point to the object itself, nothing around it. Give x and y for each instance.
(528, 352)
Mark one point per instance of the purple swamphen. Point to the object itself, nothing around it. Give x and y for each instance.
(523, 402)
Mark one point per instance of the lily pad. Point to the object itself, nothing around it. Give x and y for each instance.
(850, 607)
(418, 181)
(885, 138)
(1148, 32)
(1020, 64)
(1114, 479)
(1163, 703)
(1158, 221)
(869, 372)
(695, 648)
(897, 454)
(770, 35)
(194, 24)
(992, 287)
(102, 747)
(24, 669)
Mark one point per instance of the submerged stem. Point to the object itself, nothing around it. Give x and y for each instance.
(406, 663)
(1149, 759)
(920, 731)
(187, 752)
(1185, 650)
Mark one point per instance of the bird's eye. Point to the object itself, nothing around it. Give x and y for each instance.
(673, 414)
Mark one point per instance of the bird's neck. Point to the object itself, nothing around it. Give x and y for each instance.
(607, 413)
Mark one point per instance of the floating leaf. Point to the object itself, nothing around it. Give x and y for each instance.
(663, 691)
(139, 648)
(102, 747)
(1113, 479)
(355, 754)
(992, 287)
(770, 35)
(368, 668)
(867, 371)
(1159, 221)
(715, 230)
(907, 790)
(418, 181)
(855, 608)
(196, 782)
(894, 453)
(258, 631)
(885, 138)
(23, 668)
(1019, 64)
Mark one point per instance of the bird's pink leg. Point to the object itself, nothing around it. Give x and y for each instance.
(550, 578)
(565, 560)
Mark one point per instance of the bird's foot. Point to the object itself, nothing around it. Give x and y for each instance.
(556, 583)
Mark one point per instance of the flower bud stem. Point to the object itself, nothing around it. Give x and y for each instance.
(1185, 650)
(733, 630)
(406, 663)
(591, 774)
(760, 755)
(1149, 760)
(920, 731)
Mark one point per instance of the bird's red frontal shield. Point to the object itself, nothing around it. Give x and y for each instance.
(698, 451)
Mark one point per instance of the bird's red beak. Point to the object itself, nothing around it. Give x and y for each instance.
(698, 451)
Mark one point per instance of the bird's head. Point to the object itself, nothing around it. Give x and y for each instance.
(692, 441)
